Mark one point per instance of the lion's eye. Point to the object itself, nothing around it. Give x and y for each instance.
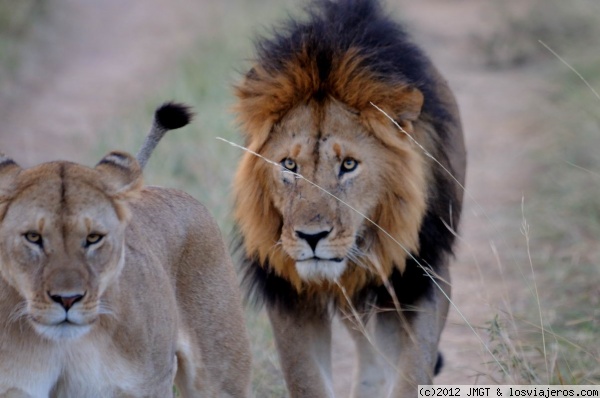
(33, 237)
(289, 164)
(92, 239)
(348, 165)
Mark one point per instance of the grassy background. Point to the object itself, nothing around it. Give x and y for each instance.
(16, 20)
(566, 211)
(563, 210)
(192, 158)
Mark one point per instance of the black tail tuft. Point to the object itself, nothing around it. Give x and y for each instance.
(173, 115)
(438, 364)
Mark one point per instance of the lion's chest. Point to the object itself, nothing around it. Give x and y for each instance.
(79, 370)
(96, 371)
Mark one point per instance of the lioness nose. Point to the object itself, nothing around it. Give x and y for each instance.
(312, 239)
(66, 301)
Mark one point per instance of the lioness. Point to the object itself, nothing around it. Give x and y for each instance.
(112, 289)
(359, 217)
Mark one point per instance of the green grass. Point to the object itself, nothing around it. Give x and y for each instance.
(192, 158)
(567, 212)
(16, 21)
(563, 209)
(514, 38)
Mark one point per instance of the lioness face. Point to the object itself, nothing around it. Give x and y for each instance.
(61, 245)
(327, 145)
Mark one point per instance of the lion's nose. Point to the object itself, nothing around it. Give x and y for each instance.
(66, 301)
(312, 238)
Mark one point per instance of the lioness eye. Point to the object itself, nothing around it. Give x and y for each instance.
(348, 165)
(289, 164)
(34, 237)
(93, 239)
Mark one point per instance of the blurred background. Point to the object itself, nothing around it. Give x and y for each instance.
(79, 78)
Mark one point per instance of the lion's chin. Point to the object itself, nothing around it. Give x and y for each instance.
(62, 331)
(315, 269)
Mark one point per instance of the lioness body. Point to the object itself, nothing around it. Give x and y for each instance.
(109, 289)
(360, 217)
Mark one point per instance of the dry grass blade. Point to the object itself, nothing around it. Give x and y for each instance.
(361, 327)
(570, 67)
(525, 231)
(591, 172)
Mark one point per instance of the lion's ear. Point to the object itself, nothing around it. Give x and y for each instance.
(8, 174)
(121, 173)
(409, 104)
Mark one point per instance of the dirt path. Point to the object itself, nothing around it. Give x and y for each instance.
(494, 107)
(87, 63)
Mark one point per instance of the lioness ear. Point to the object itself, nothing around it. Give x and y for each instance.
(121, 173)
(8, 174)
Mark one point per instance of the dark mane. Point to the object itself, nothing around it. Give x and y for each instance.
(353, 51)
(333, 28)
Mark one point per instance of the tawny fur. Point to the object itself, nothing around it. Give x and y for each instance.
(159, 303)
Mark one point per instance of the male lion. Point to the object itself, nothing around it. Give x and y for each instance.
(376, 246)
(112, 289)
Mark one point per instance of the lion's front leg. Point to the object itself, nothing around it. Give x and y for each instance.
(14, 393)
(370, 373)
(304, 346)
(409, 340)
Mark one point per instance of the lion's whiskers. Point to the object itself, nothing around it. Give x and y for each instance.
(19, 315)
(104, 308)
(278, 246)
(18, 312)
(356, 256)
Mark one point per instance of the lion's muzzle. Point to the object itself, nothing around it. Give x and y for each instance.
(66, 301)
(312, 239)
(318, 251)
(63, 314)
(314, 257)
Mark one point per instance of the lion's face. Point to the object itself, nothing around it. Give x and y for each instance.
(331, 150)
(61, 245)
(323, 231)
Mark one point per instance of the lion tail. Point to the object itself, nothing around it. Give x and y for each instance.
(169, 116)
(439, 363)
